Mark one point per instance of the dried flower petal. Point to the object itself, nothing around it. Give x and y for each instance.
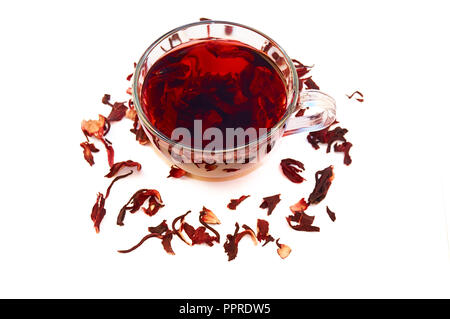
(199, 235)
(115, 180)
(160, 229)
(323, 183)
(235, 202)
(262, 230)
(283, 250)
(208, 216)
(88, 148)
(344, 148)
(270, 202)
(361, 99)
(248, 231)
(98, 212)
(331, 214)
(106, 99)
(304, 222)
(119, 165)
(95, 128)
(118, 112)
(140, 243)
(310, 84)
(109, 151)
(291, 168)
(154, 205)
(167, 243)
(178, 231)
(230, 246)
(137, 200)
(176, 172)
(300, 206)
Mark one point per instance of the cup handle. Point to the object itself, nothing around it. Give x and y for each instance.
(316, 101)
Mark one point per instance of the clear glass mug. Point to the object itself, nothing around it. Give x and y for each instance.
(320, 108)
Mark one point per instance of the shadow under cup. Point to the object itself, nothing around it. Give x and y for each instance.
(225, 162)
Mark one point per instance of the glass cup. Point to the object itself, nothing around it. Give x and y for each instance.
(320, 108)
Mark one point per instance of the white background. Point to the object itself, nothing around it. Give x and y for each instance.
(390, 239)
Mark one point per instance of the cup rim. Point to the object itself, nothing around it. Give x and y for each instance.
(146, 123)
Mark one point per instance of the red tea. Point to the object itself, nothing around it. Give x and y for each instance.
(224, 83)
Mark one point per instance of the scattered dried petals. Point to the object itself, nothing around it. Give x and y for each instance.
(119, 165)
(323, 183)
(283, 250)
(270, 202)
(88, 149)
(304, 222)
(291, 168)
(331, 214)
(310, 84)
(235, 202)
(176, 172)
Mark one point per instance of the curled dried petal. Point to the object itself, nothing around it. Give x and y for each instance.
(136, 201)
(323, 183)
(291, 168)
(300, 206)
(118, 112)
(199, 235)
(95, 128)
(344, 148)
(139, 243)
(167, 243)
(119, 165)
(160, 229)
(230, 246)
(262, 231)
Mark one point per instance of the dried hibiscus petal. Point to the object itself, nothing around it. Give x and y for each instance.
(262, 231)
(167, 243)
(300, 206)
(360, 99)
(95, 128)
(115, 180)
(310, 84)
(344, 148)
(331, 214)
(98, 211)
(247, 231)
(137, 200)
(199, 235)
(118, 112)
(230, 246)
(176, 172)
(291, 168)
(270, 202)
(140, 243)
(335, 135)
(323, 183)
(283, 250)
(235, 202)
(109, 151)
(88, 149)
(160, 229)
(207, 216)
(304, 222)
(138, 130)
(178, 231)
(118, 166)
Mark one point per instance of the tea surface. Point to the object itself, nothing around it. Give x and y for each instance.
(224, 83)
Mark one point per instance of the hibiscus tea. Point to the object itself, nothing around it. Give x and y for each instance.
(223, 83)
